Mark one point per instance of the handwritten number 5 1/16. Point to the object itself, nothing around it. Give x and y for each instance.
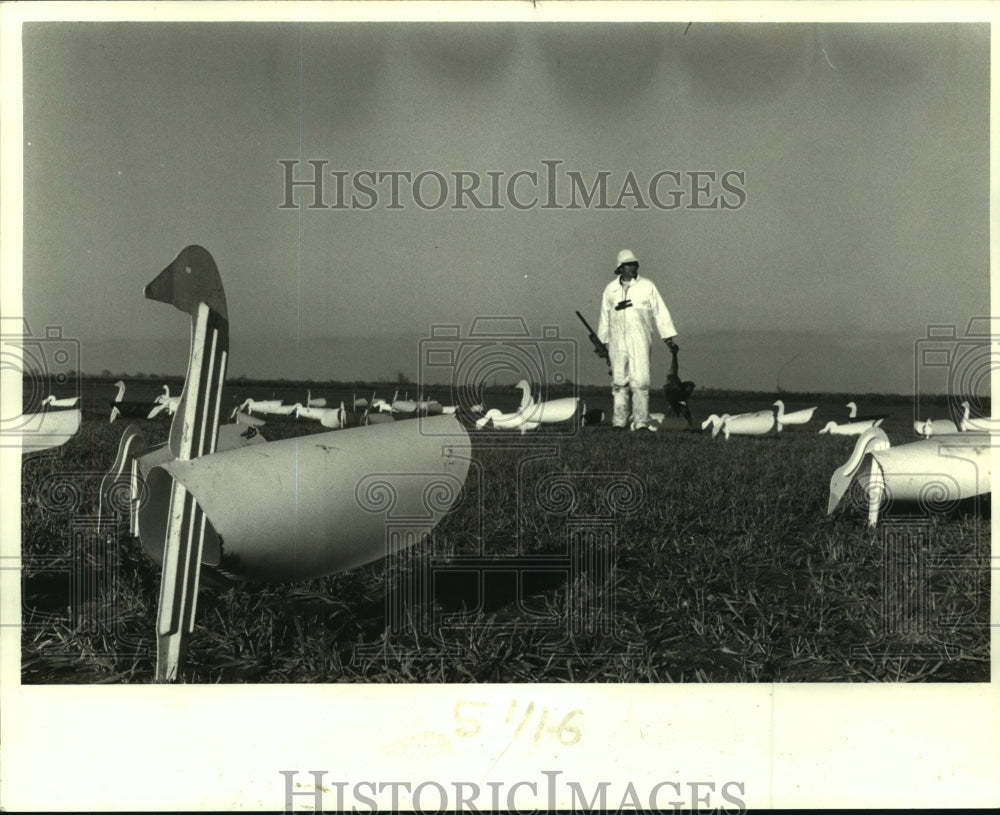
(519, 718)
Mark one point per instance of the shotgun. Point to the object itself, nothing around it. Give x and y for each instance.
(599, 347)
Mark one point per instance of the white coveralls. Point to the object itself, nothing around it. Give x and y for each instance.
(627, 332)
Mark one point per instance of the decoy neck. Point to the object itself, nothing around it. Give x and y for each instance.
(525, 389)
(191, 283)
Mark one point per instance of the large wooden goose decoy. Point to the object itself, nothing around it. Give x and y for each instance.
(191, 283)
(287, 510)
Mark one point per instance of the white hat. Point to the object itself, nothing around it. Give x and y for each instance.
(626, 256)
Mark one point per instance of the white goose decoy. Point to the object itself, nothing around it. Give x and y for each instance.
(965, 425)
(333, 418)
(51, 401)
(190, 283)
(310, 402)
(934, 427)
(941, 469)
(506, 421)
(746, 424)
(797, 417)
(402, 405)
(165, 402)
(258, 406)
(850, 428)
(304, 508)
(852, 414)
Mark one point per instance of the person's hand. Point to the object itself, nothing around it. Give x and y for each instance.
(671, 344)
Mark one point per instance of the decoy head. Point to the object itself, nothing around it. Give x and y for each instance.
(166, 391)
(48, 400)
(829, 427)
(121, 390)
(190, 279)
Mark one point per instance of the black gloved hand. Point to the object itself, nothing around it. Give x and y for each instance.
(673, 346)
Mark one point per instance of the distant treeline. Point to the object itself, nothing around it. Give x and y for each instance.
(386, 387)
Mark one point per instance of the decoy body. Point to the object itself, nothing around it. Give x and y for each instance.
(756, 423)
(850, 428)
(935, 471)
(402, 405)
(265, 406)
(934, 427)
(796, 417)
(746, 424)
(51, 401)
(47, 429)
(328, 417)
(318, 402)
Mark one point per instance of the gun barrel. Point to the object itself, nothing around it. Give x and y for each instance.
(599, 347)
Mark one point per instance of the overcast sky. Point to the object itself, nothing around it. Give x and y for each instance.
(854, 212)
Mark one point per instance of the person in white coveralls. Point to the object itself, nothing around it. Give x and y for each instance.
(631, 307)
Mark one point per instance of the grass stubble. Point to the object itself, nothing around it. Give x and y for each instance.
(724, 567)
